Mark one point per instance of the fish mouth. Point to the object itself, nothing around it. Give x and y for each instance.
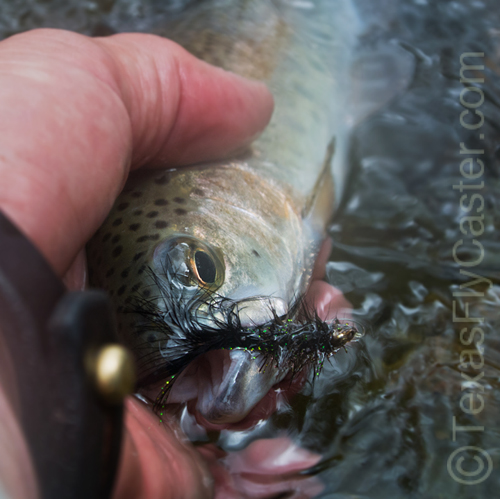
(228, 364)
(236, 388)
(233, 389)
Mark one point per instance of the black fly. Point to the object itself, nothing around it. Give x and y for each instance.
(291, 342)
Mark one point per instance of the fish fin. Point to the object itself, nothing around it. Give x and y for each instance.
(321, 200)
(380, 72)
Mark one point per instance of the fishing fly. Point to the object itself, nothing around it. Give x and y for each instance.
(289, 342)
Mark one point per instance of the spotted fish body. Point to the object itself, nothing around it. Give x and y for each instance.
(249, 227)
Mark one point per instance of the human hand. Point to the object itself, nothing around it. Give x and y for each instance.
(77, 115)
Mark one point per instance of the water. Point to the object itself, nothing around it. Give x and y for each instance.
(382, 414)
(392, 428)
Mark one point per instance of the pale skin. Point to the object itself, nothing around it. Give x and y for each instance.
(77, 115)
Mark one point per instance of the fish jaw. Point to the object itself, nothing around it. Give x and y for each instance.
(244, 384)
(229, 390)
(245, 380)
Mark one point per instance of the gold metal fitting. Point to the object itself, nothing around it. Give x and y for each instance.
(114, 373)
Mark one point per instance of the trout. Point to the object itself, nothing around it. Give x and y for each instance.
(213, 254)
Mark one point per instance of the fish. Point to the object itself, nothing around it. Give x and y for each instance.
(217, 256)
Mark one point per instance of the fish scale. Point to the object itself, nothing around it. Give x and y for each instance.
(303, 55)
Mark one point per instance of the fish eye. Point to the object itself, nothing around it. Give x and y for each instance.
(190, 263)
(205, 267)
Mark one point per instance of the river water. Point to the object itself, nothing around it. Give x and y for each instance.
(395, 414)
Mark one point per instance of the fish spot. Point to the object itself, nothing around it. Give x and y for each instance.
(138, 256)
(121, 290)
(161, 202)
(152, 214)
(146, 293)
(117, 222)
(151, 338)
(180, 211)
(115, 239)
(125, 273)
(135, 287)
(128, 300)
(161, 224)
(117, 251)
(162, 180)
(180, 200)
(141, 270)
(134, 227)
(110, 272)
(198, 192)
(136, 194)
(151, 237)
(106, 237)
(122, 206)
(137, 213)
(256, 253)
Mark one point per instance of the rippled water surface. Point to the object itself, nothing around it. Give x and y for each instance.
(382, 414)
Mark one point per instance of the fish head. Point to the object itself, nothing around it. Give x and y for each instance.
(219, 231)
